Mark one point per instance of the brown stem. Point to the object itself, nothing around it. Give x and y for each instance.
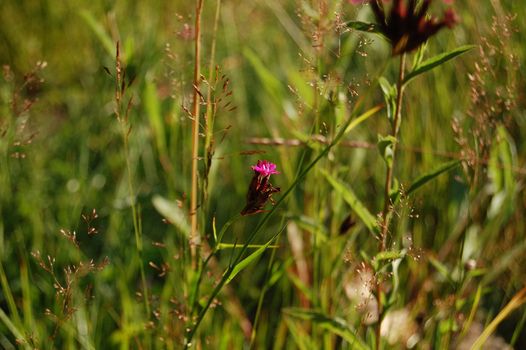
(388, 183)
(195, 134)
(211, 108)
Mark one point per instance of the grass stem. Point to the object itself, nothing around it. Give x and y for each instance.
(386, 212)
(195, 135)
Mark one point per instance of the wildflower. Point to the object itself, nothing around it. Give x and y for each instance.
(260, 190)
(265, 168)
(407, 25)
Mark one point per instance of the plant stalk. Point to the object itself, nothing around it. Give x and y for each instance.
(386, 212)
(194, 239)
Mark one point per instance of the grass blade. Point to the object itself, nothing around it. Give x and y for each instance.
(99, 31)
(334, 325)
(7, 321)
(350, 197)
(301, 338)
(363, 117)
(249, 259)
(437, 61)
(515, 302)
(422, 180)
(250, 246)
(473, 311)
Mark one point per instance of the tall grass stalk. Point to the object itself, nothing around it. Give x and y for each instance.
(386, 212)
(122, 112)
(194, 235)
(210, 106)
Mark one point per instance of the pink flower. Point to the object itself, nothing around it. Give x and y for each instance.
(265, 168)
(260, 190)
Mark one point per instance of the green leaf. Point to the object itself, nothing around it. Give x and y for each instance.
(422, 180)
(385, 146)
(249, 259)
(363, 117)
(473, 311)
(298, 283)
(437, 61)
(11, 326)
(441, 268)
(153, 112)
(389, 92)
(302, 339)
(364, 27)
(387, 88)
(335, 325)
(271, 84)
(250, 246)
(99, 31)
(389, 255)
(500, 168)
(418, 57)
(357, 206)
(515, 303)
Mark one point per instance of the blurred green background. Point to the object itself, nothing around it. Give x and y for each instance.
(293, 70)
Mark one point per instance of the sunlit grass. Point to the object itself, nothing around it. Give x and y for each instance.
(95, 193)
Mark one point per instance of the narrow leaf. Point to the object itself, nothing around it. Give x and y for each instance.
(364, 26)
(437, 61)
(358, 120)
(441, 268)
(99, 31)
(9, 325)
(389, 255)
(250, 246)
(249, 259)
(299, 335)
(335, 325)
(350, 197)
(153, 112)
(422, 180)
(271, 84)
(474, 308)
(515, 302)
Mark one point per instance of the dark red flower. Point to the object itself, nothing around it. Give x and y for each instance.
(260, 190)
(407, 25)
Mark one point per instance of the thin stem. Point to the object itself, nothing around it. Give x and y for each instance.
(195, 134)
(386, 213)
(210, 107)
(212, 253)
(266, 286)
(120, 109)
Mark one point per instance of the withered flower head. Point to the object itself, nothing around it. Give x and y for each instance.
(260, 189)
(407, 24)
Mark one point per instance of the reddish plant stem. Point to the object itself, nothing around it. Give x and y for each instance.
(386, 212)
(194, 239)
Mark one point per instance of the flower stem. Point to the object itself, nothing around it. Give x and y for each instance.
(195, 135)
(386, 212)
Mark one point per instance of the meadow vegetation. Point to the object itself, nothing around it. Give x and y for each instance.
(134, 212)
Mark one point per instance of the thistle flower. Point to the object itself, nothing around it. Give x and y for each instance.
(407, 25)
(260, 190)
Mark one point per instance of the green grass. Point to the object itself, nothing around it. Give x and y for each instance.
(283, 81)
